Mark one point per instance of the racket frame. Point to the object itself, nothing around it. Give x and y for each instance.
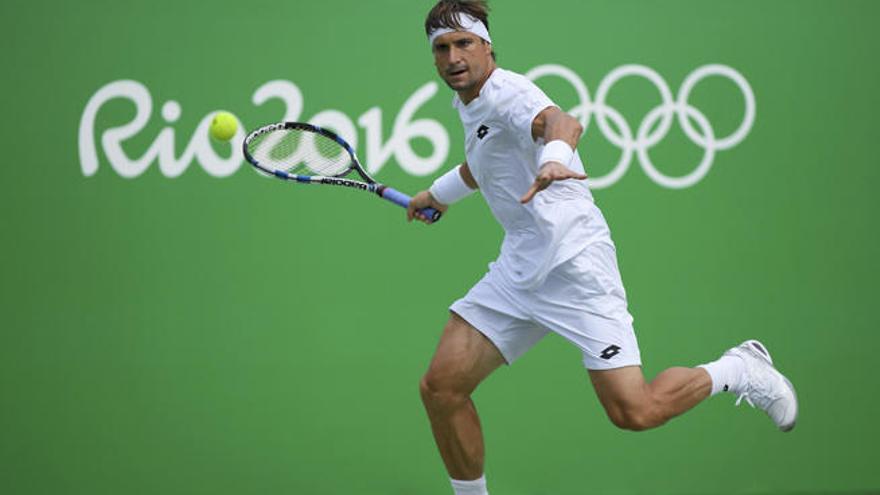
(368, 184)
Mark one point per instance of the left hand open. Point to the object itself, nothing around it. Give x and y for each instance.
(549, 172)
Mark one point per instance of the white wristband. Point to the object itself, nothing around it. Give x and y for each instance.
(450, 187)
(556, 151)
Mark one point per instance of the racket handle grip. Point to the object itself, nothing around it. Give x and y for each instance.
(403, 200)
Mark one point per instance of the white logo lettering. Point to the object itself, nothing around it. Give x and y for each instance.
(651, 130)
(162, 149)
(405, 129)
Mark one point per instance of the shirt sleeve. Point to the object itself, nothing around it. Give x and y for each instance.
(524, 106)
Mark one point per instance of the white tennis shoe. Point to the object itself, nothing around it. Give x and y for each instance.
(764, 387)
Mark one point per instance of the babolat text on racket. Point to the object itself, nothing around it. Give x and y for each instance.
(309, 154)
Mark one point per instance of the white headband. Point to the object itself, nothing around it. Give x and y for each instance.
(468, 23)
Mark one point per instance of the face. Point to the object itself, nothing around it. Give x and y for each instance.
(464, 61)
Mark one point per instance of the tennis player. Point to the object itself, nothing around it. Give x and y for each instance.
(557, 270)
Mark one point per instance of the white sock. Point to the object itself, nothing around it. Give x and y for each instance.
(726, 374)
(475, 487)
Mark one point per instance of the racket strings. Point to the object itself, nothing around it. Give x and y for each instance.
(300, 152)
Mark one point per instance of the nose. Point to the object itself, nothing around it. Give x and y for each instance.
(454, 54)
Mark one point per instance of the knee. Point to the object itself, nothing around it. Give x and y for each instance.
(439, 394)
(633, 417)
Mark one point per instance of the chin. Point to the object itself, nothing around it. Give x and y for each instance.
(460, 86)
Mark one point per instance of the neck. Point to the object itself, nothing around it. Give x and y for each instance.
(471, 94)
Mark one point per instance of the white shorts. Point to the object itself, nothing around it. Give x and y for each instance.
(582, 300)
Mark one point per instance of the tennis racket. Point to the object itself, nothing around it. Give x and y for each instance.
(309, 154)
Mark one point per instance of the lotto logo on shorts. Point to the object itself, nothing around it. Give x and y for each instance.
(482, 131)
(610, 352)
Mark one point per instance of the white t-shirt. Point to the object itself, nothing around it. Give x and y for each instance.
(503, 158)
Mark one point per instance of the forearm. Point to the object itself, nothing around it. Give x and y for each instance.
(560, 133)
(453, 185)
(563, 127)
(467, 176)
(552, 124)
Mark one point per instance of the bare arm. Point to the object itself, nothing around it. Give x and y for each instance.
(554, 124)
(467, 176)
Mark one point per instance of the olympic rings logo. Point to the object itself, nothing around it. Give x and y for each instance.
(644, 138)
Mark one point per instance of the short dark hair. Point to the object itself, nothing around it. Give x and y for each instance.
(445, 14)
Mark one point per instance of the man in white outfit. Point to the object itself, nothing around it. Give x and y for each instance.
(557, 269)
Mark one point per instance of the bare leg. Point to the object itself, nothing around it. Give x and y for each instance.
(464, 357)
(633, 404)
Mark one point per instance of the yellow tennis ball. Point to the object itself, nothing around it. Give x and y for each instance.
(223, 126)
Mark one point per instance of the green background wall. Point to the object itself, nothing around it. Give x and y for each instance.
(229, 335)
